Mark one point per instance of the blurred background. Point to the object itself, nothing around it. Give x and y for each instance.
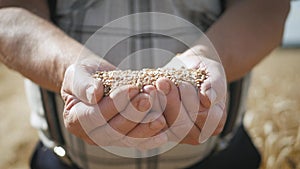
(273, 115)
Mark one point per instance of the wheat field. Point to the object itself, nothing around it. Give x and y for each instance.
(273, 115)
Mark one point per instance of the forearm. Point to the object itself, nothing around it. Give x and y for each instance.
(247, 32)
(38, 7)
(36, 48)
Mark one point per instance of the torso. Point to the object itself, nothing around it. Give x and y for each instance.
(80, 19)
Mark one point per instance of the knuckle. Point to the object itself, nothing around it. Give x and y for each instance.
(70, 122)
(157, 125)
(142, 103)
(120, 129)
(64, 95)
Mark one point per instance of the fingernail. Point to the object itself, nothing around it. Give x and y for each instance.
(143, 104)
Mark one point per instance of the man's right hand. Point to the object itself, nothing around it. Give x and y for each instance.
(124, 118)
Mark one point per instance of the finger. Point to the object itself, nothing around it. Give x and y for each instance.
(153, 142)
(173, 104)
(117, 101)
(76, 129)
(189, 99)
(156, 102)
(192, 137)
(214, 87)
(105, 135)
(214, 117)
(176, 116)
(88, 116)
(221, 125)
(110, 136)
(201, 118)
(145, 135)
(145, 130)
(138, 108)
(204, 101)
(152, 91)
(132, 115)
(118, 126)
(70, 101)
(208, 97)
(83, 118)
(184, 129)
(73, 125)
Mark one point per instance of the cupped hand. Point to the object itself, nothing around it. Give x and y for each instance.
(194, 115)
(124, 118)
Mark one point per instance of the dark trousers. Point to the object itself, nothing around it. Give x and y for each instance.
(240, 154)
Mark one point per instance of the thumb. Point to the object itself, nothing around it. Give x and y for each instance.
(80, 83)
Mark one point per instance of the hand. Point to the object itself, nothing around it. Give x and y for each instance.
(195, 115)
(121, 119)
